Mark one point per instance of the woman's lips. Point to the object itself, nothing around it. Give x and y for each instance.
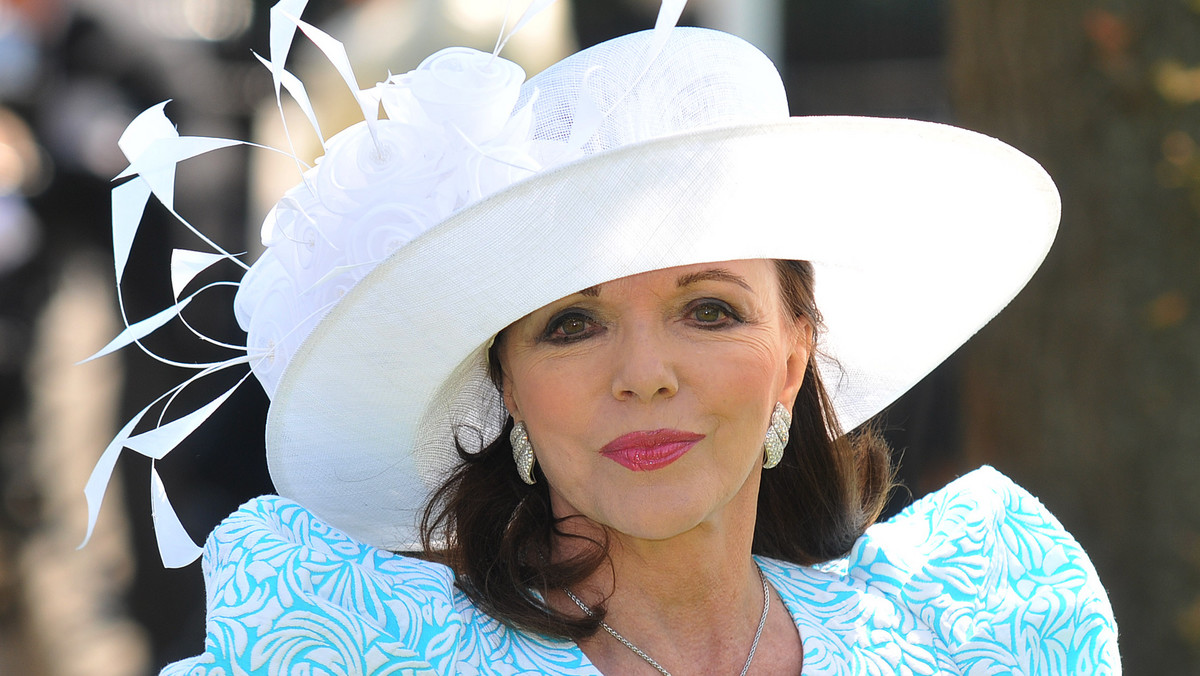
(650, 450)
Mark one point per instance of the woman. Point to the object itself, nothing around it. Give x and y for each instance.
(670, 375)
(587, 345)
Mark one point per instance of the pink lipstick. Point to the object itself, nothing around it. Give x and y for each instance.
(650, 450)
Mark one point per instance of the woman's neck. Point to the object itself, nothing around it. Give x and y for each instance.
(693, 600)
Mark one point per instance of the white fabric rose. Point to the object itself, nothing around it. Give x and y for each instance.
(254, 285)
(296, 203)
(308, 243)
(277, 323)
(399, 164)
(467, 89)
(377, 234)
(399, 104)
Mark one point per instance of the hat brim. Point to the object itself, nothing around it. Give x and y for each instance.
(919, 233)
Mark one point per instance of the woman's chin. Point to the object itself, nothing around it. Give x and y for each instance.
(672, 504)
(657, 520)
(653, 530)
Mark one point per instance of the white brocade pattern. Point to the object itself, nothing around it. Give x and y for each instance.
(977, 578)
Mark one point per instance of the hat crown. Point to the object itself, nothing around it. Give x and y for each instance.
(621, 92)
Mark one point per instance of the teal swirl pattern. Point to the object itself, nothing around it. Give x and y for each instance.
(975, 579)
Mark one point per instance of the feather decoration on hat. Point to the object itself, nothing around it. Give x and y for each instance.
(451, 137)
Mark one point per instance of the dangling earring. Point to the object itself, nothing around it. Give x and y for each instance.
(777, 436)
(523, 452)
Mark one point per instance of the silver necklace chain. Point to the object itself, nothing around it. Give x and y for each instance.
(762, 622)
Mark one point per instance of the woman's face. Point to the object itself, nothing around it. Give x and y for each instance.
(647, 398)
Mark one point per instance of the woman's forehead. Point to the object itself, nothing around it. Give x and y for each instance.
(747, 274)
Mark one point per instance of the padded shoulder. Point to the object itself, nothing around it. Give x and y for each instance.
(288, 594)
(996, 577)
(287, 591)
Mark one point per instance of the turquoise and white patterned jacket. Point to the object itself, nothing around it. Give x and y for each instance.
(977, 578)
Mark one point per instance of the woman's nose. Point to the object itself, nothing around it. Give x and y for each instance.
(645, 366)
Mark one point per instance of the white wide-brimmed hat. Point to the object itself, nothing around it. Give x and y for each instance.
(653, 150)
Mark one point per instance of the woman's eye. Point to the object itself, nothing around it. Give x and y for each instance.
(712, 313)
(572, 326)
(568, 326)
(709, 313)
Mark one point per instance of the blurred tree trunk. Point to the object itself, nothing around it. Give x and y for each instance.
(1087, 389)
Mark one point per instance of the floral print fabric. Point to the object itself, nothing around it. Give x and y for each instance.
(977, 578)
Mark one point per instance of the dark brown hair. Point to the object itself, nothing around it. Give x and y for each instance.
(496, 532)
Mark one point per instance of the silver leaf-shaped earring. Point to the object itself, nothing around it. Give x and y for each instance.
(522, 452)
(777, 436)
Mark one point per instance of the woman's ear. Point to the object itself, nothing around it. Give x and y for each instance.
(510, 403)
(799, 350)
(501, 375)
(508, 392)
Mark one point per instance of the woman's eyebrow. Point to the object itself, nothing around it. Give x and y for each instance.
(714, 275)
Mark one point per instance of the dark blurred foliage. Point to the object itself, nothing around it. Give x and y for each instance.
(1088, 392)
(864, 30)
